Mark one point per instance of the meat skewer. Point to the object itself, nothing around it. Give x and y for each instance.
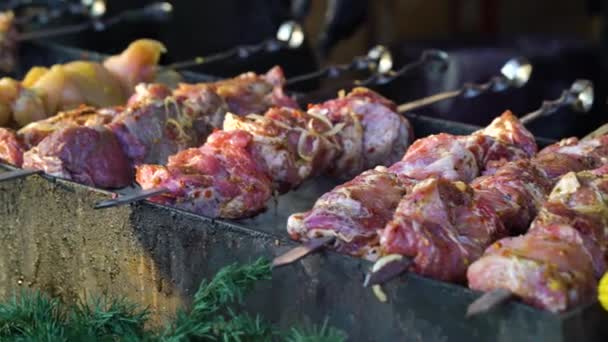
(566, 196)
(155, 124)
(174, 190)
(152, 106)
(441, 241)
(356, 230)
(556, 265)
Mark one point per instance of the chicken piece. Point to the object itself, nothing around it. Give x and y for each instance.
(137, 64)
(219, 179)
(45, 91)
(11, 147)
(87, 155)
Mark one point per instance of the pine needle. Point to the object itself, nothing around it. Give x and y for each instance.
(228, 287)
(314, 333)
(216, 315)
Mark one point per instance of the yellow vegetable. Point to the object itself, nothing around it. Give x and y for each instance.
(603, 291)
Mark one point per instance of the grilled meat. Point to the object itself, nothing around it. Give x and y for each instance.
(87, 155)
(557, 264)
(350, 211)
(288, 146)
(248, 93)
(11, 147)
(443, 236)
(153, 125)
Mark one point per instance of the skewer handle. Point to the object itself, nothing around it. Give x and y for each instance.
(18, 173)
(515, 73)
(158, 11)
(289, 35)
(488, 301)
(438, 58)
(299, 252)
(378, 58)
(579, 97)
(122, 200)
(406, 107)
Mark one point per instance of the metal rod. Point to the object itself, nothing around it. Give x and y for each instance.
(428, 56)
(17, 174)
(406, 107)
(159, 11)
(488, 301)
(289, 35)
(514, 73)
(388, 272)
(301, 251)
(122, 200)
(579, 97)
(378, 57)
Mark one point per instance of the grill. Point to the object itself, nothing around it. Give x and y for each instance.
(157, 256)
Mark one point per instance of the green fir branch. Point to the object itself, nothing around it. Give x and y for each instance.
(215, 316)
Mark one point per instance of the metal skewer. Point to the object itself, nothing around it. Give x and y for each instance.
(579, 97)
(18, 173)
(140, 195)
(290, 34)
(159, 11)
(515, 73)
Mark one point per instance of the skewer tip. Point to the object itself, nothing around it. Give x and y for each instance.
(300, 252)
(488, 301)
(386, 269)
(17, 174)
(122, 200)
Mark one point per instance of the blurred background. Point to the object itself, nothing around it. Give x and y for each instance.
(564, 39)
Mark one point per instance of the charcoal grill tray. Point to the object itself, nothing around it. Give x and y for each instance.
(157, 256)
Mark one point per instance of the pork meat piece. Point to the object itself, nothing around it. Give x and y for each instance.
(373, 132)
(543, 271)
(555, 266)
(11, 147)
(515, 192)
(453, 158)
(441, 226)
(291, 144)
(219, 179)
(352, 212)
(87, 155)
(247, 93)
(35, 132)
(152, 130)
